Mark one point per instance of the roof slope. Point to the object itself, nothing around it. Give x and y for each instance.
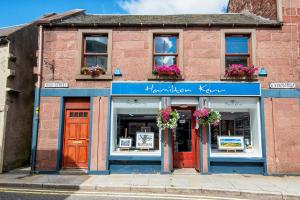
(4, 32)
(240, 19)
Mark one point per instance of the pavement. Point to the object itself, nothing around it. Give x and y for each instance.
(181, 182)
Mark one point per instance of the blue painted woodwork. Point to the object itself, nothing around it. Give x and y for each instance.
(35, 129)
(136, 158)
(108, 132)
(281, 93)
(263, 133)
(126, 167)
(237, 160)
(185, 89)
(106, 172)
(60, 135)
(82, 92)
(237, 167)
(162, 140)
(90, 135)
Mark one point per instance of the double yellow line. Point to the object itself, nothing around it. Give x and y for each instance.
(111, 194)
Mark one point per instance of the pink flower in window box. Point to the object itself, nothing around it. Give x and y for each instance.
(166, 70)
(238, 70)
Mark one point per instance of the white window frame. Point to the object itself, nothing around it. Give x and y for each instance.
(257, 153)
(112, 134)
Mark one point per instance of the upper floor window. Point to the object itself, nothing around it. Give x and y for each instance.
(237, 49)
(95, 51)
(165, 51)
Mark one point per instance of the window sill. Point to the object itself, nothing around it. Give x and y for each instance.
(246, 79)
(165, 78)
(105, 77)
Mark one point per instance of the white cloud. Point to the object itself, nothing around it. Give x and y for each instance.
(173, 6)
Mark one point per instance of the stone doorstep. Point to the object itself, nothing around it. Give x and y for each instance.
(73, 172)
(234, 193)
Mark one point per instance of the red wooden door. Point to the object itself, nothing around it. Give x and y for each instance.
(76, 139)
(184, 140)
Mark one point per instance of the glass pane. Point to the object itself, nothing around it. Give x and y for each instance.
(96, 44)
(232, 124)
(235, 44)
(236, 60)
(164, 60)
(130, 124)
(183, 136)
(165, 44)
(96, 60)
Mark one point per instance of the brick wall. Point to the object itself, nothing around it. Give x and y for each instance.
(47, 145)
(282, 135)
(264, 8)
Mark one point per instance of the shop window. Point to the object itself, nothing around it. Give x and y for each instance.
(165, 50)
(237, 49)
(134, 129)
(238, 133)
(95, 51)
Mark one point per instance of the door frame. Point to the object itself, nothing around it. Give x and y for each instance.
(74, 103)
(193, 133)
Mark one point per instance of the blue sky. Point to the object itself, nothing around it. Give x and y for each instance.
(14, 12)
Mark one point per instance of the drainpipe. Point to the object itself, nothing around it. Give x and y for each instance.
(37, 102)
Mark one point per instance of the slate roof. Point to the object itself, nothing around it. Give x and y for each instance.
(4, 32)
(228, 19)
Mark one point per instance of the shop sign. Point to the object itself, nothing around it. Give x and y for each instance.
(185, 89)
(56, 85)
(284, 85)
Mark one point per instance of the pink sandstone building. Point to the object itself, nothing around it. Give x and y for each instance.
(101, 84)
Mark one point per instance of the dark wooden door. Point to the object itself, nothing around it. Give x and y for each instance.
(184, 140)
(76, 138)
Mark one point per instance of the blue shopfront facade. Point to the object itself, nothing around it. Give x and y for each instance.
(133, 106)
(229, 97)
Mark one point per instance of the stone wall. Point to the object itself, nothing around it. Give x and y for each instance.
(47, 145)
(282, 135)
(277, 50)
(23, 45)
(4, 53)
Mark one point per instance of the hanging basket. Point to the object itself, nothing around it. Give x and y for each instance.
(167, 119)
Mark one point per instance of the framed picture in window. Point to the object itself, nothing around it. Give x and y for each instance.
(125, 142)
(230, 142)
(144, 140)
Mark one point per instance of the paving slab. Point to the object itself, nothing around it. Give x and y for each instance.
(241, 186)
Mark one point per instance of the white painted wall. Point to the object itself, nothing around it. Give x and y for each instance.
(4, 54)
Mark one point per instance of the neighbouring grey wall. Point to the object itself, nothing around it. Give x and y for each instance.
(23, 45)
(4, 53)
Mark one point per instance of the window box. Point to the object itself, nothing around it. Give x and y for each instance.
(165, 77)
(242, 78)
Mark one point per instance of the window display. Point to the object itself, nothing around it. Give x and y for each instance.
(134, 120)
(238, 133)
